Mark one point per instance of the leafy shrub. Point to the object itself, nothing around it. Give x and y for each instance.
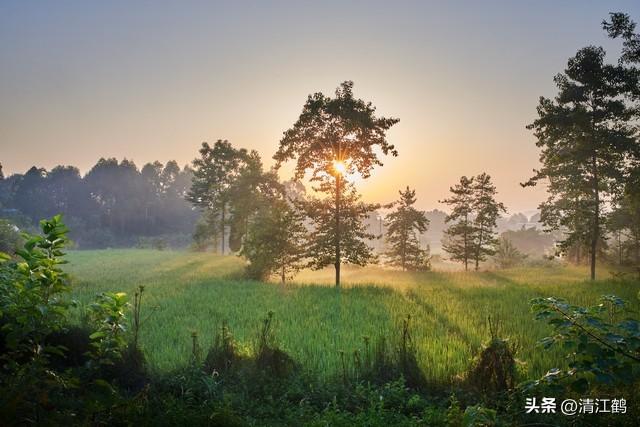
(107, 314)
(602, 348)
(479, 416)
(507, 255)
(77, 344)
(32, 308)
(31, 303)
(10, 238)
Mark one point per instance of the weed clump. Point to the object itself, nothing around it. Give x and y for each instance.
(223, 356)
(494, 370)
(269, 357)
(389, 362)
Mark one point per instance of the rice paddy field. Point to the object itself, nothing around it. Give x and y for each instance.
(186, 292)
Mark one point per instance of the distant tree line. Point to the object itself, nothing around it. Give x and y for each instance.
(113, 204)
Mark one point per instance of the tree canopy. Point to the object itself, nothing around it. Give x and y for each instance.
(333, 138)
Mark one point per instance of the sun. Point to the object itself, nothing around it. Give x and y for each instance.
(340, 167)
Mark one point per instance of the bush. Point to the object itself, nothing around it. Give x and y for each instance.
(10, 238)
(269, 357)
(223, 356)
(493, 372)
(602, 347)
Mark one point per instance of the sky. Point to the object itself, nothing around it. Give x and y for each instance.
(152, 80)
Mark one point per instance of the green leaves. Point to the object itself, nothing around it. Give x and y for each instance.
(32, 306)
(587, 138)
(601, 350)
(108, 317)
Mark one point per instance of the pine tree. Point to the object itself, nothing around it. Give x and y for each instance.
(459, 237)
(403, 226)
(585, 135)
(486, 213)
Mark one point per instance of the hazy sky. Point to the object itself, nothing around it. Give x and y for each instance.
(152, 80)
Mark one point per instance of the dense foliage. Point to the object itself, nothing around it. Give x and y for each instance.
(114, 204)
(332, 138)
(589, 141)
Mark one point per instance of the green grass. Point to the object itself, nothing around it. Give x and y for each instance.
(188, 292)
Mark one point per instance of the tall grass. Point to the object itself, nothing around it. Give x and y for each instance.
(318, 324)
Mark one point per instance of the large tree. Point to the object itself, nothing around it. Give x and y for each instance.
(486, 213)
(584, 135)
(213, 178)
(403, 228)
(459, 237)
(626, 216)
(334, 137)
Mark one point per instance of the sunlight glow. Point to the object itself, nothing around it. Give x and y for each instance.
(340, 167)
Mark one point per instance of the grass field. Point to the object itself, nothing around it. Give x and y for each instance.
(188, 292)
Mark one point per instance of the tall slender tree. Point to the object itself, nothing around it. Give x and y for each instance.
(403, 228)
(459, 237)
(585, 136)
(247, 195)
(487, 211)
(214, 174)
(332, 138)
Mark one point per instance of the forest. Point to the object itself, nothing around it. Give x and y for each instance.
(249, 288)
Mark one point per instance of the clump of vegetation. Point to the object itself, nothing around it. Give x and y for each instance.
(269, 356)
(507, 255)
(10, 238)
(43, 359)
(494, 370)
(603, 347)
(223, 356)
(276, 240)
(390, 361)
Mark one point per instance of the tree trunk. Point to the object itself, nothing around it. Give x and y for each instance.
(337, 238)
(479, 249)
(466, 247)
(222, 224)
(282, 275)
(404, 252)
(595, 232)
(619, 248)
